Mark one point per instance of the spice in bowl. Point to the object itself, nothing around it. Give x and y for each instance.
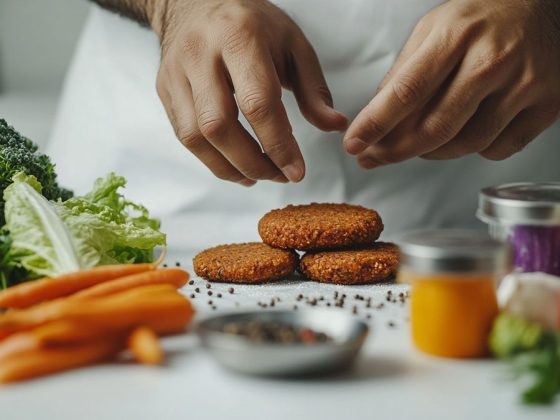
(274, 332)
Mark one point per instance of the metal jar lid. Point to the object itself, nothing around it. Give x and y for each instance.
(453, 251)
(521, 204)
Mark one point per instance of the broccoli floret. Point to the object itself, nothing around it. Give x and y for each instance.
(18, 153)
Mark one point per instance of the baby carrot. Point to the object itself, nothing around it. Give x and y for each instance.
(144, 345)
(173, 276)
(30, 293)
(38, 362)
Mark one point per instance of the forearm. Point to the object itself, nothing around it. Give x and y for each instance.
(150, 13)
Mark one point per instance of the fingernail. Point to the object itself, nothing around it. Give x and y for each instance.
(280, 178)
(247, 182)
(293, 172)
(354, 145)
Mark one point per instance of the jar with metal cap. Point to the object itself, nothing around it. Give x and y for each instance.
(453, 276)
(527, 215)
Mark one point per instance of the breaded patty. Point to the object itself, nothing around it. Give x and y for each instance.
(253, 262)
(320, 226)
(358, 266)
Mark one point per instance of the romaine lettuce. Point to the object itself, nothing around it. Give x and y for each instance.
(52, 238)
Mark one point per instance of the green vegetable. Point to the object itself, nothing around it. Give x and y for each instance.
(532, 350)
(11, 272)
(53, 238)
(19, 154)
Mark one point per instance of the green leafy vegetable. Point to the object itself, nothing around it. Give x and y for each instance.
(11, 272)
(52, 238)
(19, 154)
(122, 231)
(532, 350)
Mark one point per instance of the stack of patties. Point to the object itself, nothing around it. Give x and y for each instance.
(339, 241)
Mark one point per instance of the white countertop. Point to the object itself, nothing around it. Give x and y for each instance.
(391, 380)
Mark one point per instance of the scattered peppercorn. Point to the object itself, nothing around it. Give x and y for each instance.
(210, 293)
(191, 282)
(177, 264)
(208, 285)
(231, 290)
(197, 290)
(192, 295)
(219, 295)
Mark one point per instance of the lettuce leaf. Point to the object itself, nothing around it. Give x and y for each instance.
(43, 243)
(122, 231)
(101, 227)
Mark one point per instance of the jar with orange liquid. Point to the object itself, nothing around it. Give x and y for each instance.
(453, 276)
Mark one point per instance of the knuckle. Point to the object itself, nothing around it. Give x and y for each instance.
(528, 83)
(239, 32)
(256, 105)
(275, 149)
(212, 126)
(190, 138)
(409, 89)
(160, 86)
(488, 65)
(463, 26)
(435, 129)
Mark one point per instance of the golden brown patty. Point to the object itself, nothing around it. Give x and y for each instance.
(360, 266)
(320, 226)
(253, 262)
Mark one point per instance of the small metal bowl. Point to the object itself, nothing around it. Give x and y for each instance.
(280, 359)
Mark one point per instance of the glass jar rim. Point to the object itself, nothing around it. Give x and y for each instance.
(522, 203)
(453, 251)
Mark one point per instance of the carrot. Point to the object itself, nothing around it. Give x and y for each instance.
(18, 343)
(144, 345)
(145, 305)
(31, 293)
(38, 362)
(173, 276)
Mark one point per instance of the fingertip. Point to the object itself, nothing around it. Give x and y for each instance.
(354, 145)
(326, 118)
(367, 163)
(247, 182)
(294, 172)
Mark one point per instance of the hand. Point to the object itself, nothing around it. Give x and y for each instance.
(219, 54)
(476, 76)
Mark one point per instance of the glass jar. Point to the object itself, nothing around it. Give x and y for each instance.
(527, 215)
(453, 276)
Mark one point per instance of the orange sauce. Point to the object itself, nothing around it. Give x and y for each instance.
(452, 314)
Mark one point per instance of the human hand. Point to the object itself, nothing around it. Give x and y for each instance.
(474, 77)
(217, 54)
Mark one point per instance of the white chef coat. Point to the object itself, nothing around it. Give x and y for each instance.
(110, 119)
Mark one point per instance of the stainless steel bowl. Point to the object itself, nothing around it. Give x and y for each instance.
(279, 359)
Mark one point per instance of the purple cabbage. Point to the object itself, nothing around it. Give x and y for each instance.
(536, 248)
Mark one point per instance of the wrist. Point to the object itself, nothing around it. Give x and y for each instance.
(158, 12)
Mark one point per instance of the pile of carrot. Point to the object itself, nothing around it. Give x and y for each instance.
(55, 324)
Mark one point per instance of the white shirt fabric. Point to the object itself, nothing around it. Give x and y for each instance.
(110, 119)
